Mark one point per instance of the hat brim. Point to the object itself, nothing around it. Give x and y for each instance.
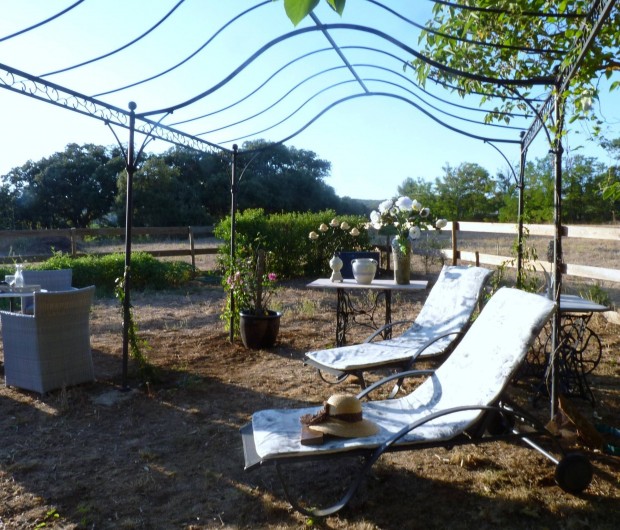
(343, 429)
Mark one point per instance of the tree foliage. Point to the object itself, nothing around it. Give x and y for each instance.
(495, 36)
(71, 188)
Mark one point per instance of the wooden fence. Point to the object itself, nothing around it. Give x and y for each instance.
(75, 235)
(453, 254)
(583, 232)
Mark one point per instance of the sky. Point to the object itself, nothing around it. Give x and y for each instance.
(373, 143)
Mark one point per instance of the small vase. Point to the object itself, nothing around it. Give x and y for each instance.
(402, 262)
(19, 277)
(335, 264)
(364, 270)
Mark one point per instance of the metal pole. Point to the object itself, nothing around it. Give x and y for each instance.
(128, 224)
(521, 208)
(233, 229)
(557, 254)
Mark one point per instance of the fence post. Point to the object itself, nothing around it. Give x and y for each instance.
(191, 247)
(455, 227)
(72, 235)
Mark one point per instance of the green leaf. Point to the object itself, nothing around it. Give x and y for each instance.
(297, 10)
(337, 5)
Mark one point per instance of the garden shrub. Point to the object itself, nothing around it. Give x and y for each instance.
(286, 237)
(103, 271)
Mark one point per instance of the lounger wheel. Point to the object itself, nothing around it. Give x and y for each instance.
(573, 473)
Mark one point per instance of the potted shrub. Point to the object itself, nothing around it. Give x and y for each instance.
(251, 286)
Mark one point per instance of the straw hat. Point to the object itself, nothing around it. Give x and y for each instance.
(341, 416)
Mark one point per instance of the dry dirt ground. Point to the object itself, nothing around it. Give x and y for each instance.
(168, 455)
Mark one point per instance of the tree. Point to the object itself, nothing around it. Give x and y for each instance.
(538, 194)
(279, 178)
(69, 189)
(419, 189)
(466, 193)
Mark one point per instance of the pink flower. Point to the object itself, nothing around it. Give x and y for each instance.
(272, 276)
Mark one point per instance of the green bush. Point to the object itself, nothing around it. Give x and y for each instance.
(103, 271)
(286, 237)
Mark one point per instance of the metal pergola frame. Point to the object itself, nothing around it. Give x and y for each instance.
(145, 123)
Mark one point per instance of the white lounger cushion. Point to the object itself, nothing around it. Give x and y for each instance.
(448, 308)
(474, 374)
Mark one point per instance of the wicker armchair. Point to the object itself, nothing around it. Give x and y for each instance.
(51, 348)
(50, 280)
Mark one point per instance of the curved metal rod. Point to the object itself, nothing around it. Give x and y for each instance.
(472, 109)
(433, 31)
(541, 80)
(401, 61)
(196, 52)
(263, 111)
(118, 49)
(512, 169)
(259, 87)
(43, 22)
(279, 100)
(536, 113)
(395, 96)
(539, 14)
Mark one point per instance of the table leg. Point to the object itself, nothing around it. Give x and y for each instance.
(387, 334)
(342, 317)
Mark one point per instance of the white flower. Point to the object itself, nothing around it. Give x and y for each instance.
(354, 232)
(344, 225)
(313, 235)
(404, 203)
(416, 205)
(586, 103)
(441, 223)
(424, 212)
(414, 232)
(375, 217)
(385, 206)
(323, 227)
(334, 222)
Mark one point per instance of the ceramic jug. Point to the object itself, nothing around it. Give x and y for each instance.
(364, 270)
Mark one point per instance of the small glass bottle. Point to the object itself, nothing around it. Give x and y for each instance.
(19, 277)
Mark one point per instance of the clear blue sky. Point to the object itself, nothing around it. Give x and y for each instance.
(373, 143)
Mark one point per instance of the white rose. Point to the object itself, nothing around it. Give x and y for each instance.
(375, 217)
(355, 232)
(385, 206)
(414, 232)
(323, 227)
(441, 223)
(313, 235)
(344, 225)
(416, 205)
(404, 203)
(334, 222)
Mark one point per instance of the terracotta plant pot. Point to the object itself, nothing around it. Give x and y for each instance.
(259, 331)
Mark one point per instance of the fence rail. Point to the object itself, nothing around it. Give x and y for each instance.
(582, 232)
(75, 235)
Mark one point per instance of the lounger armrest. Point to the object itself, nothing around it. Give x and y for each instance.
(386, 327)
(387, 379)
(429, 417)
(252, 459)
(429, 343)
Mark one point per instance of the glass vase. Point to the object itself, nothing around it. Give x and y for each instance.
(401, 257)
